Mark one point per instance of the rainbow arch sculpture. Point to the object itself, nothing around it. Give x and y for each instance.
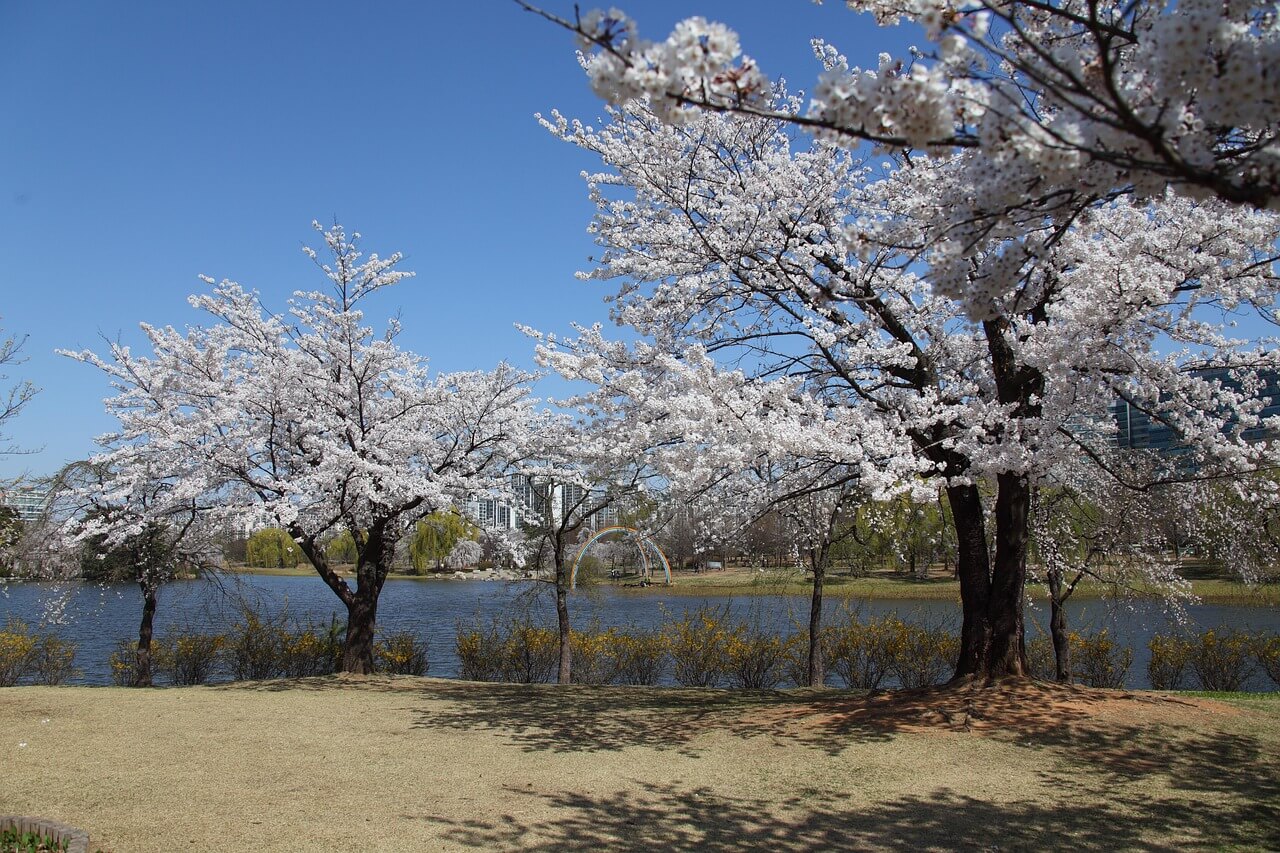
(643, 543)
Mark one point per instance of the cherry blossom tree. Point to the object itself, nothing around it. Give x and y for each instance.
(784, 310)
(575, 468)
(16, 396)
(148, 539)
(816, 502)
(308, 421)
(1060, 103)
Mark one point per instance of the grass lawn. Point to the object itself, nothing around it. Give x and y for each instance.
(402, 763)
(939, 586)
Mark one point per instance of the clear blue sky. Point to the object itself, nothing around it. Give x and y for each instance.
(144, 143)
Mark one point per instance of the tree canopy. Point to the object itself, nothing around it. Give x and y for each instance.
(309, 421)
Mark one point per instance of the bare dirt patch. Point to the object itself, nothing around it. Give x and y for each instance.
(413, 764)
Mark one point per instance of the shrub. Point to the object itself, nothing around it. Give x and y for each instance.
(54, 660)
(1267, 650)
(754, 659)
(188, 657)
(517, 651)
(639, 657)
(593, 662)
(795, 663)
(401, 653)
(13, 840)
(17, 652)
(480, 652)
(1098, 661)
(860, 653)
(921, 656)
(1040, 659)
(697, 642)
(124, 663)
(527, 653)
(255, 647)
(310, 650)
(1170, 656)
(1222, 660)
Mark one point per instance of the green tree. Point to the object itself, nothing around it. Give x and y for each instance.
(272, 548)
(149, 554)
(435, 537)
(342, 548)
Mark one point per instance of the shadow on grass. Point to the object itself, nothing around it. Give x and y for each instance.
(1218, 784)
(600, 719)
(645, 818)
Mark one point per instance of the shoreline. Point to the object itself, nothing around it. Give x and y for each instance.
(740, 582)
(885, 586)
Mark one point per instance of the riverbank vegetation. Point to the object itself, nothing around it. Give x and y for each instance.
(711, 645)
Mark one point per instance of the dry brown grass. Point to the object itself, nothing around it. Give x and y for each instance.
(422, 764)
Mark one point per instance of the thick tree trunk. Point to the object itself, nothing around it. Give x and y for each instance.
(362, 618)
(973, 568)
(565, 672)
(1008, 654)
(1058, 629)
(362, 606)
(142, 674)
(817, 667)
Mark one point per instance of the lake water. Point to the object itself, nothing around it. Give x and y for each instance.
(97, 617)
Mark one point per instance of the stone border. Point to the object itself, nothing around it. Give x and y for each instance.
(77, 840)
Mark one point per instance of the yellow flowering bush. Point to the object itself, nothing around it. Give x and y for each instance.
(516, 650)
(400, 653)
(54, 660)
(697, 643)
(311, 650)
(124, 663)
(795, 659)
(639, 657)
(17, 652)
(1222, 660)
(254, 647)
(187, 657)
(1040, 658)
(1098, 660)
(529, 654)
(755, 659)
(860, 653)
(44, 658)
(1170, 656)
(593, 661)
(1267, 649)
(480, 652)
(920, 656)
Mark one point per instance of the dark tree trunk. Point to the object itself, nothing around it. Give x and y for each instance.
(1019, 387)
(1008, 654)
(1058, 629)
(362, 618)
(565, 672)
(973, 568)
(362, 608)
(817, 667)
(142, 674)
